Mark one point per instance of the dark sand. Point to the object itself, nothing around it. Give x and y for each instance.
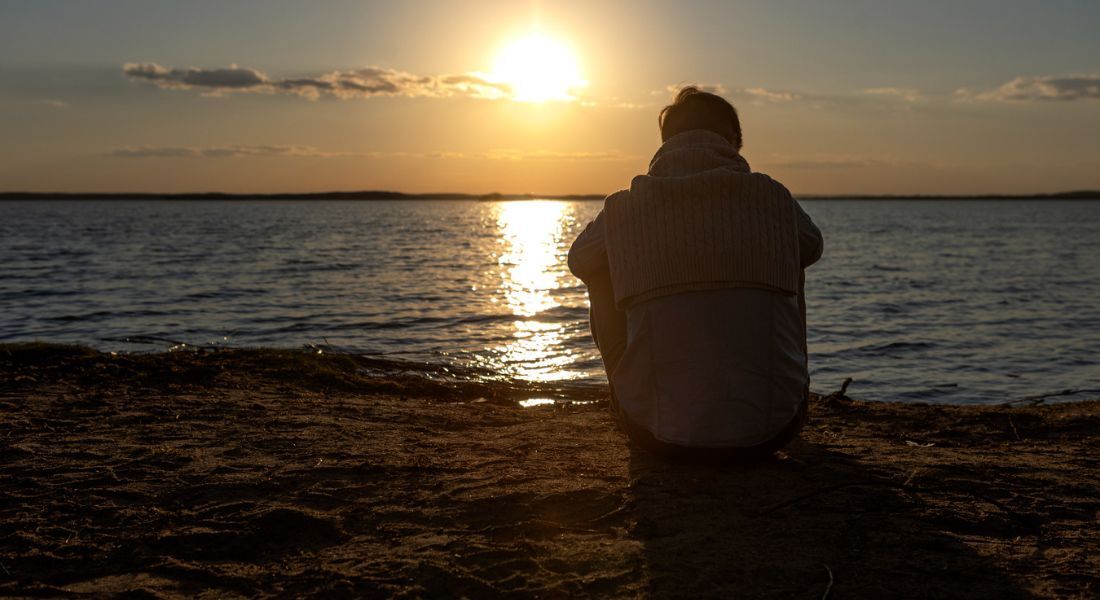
(268, 473)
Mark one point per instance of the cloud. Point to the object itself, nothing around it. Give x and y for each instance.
(513, 154)
(771, 96)
(230, 78)
(838, 163)
(907, 94)
(152, 152)
(876, 98)
(510, 154)
(674, 88)
(717, 88)
(251, 150)
(886, 98)
(721, 90)
(864, 97)
(233, 151)
(377, 81)
(1065, 88)
(54, 103)
(366, 82)
(821, 164)
(616, 102)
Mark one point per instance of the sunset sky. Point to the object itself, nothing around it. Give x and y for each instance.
(846, 96)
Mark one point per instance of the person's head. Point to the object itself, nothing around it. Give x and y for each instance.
(695, 109)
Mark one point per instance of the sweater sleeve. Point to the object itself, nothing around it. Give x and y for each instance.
(810, 242)
(588, 254)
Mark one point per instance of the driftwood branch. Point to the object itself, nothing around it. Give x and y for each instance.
(839, 395)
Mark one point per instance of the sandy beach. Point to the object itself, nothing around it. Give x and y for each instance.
(267, 473)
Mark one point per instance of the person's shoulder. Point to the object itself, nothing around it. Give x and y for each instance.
(765, 181)
(615, 198)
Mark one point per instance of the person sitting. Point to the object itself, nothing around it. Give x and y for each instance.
(695, 276)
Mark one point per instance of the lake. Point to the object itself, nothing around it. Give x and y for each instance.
(944, 301)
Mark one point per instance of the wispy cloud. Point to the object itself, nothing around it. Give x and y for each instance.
(510, 154)
(357, 83)
(906, 94)
(514, 155)
(228, 78)
(233, 151)
(757, 94)
(252, 150)
(771, 95)
(821, 164)
(674, 88)
(1051, 87)
(883, 96)
(837, 163)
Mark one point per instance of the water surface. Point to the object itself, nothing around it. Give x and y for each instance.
(936, 301)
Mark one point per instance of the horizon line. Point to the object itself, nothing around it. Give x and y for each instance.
(1081, 194)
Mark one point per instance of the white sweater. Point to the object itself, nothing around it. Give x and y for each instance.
(700, 220)
(718, 366)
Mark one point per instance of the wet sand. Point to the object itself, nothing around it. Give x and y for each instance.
(280, 473)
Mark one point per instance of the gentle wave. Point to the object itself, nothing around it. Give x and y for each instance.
(966, 302)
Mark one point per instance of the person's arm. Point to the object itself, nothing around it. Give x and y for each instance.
(588, 261)
(588, 254)
(810, 242)
(607, 322)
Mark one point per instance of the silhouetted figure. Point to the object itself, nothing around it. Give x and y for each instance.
(695, 278)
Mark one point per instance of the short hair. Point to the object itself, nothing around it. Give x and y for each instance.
(692, 108)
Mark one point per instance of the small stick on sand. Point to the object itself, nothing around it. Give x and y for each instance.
(909, 479)
(1013, 424)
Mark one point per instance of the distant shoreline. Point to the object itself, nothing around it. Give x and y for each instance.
(371, 195)
(366, 195)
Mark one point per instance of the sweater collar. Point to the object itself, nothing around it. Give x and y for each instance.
(696, 151)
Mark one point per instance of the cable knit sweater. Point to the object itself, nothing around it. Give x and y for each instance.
(700, 219)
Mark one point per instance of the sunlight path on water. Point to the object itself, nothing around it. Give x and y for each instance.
(532, 233)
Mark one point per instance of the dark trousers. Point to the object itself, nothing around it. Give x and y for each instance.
(609, 326)
(643, 438)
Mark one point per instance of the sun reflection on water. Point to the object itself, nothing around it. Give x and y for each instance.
(531, 268)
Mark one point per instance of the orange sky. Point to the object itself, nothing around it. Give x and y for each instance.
(856, 97)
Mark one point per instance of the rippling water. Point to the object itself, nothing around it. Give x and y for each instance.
(937, 301)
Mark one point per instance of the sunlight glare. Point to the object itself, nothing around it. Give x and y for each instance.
(538, 69)
(532, 232)
(532, 266)
(533, 402)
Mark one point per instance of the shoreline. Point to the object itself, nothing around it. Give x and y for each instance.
(281, 472)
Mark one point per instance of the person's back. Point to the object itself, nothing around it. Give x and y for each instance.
(695, 281)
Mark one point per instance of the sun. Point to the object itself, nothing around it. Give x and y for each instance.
(538, 68)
